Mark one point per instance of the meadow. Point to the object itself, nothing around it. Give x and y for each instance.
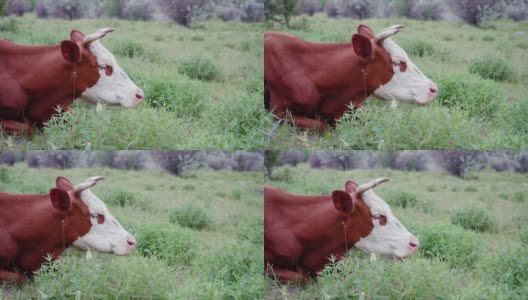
(199, 237)
(473, 237)
(482, 76)
(203, 86)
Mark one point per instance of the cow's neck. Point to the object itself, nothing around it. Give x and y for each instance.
(21, 212)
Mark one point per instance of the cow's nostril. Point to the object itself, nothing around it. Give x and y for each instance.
(139, 96)
(131, 243)
(433, 90)
(413, 245)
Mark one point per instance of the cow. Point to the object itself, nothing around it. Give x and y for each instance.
(36, 80)
(316, 83)
(35, 226)
(302, 233)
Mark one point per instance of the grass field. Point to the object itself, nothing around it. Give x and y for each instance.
(221, 108)
(452, 263)
(221, 261)
(470, 112)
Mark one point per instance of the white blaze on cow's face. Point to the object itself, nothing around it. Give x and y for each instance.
(408, 84)
(106, 234)
(389, 237)
(114, 87)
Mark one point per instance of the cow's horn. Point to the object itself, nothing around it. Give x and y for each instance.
(96, 35)
(88, 183)
(367, 186)
(388, 32)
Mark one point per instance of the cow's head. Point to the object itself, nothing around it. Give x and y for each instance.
(389, 72)
(369, 222)
(87, 221)
(98, 77)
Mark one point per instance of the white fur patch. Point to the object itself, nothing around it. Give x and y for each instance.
(410, 86)
(108, 237)
(391, 239)
(117, 89)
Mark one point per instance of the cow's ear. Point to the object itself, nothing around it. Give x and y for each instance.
(76, 36)
(60, 200)
(71, 52)
(343, 201)
(351, 187)
(362, 46)
(366, 31)
(63, 184)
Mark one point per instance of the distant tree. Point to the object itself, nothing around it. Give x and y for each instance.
(177, 162)
(359, 9)
(477, 12)
(309, 7)
(280, 11)
(248, 161)
(19, 7)
(292, 157)
(10, 157)
(182, 11)
(3, 6)
(459, 162)
(271, 160)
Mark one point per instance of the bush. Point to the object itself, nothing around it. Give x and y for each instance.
(125, 199)
(128, 48)
(9, 25)
(309, 7)
(481, 98)
(360, 9)
(185, 97)
(138, 10)
(253, 11)
(474, 218)
(418, 48)
(477, 12)
(177, 246)
(401, 199)
(102, 277)
(234, 270)
(19, 7)
(519, 197)
(182, 11)
(524, 236)
(4, 175)
(491, 67)
(427, 10)
(507, 267)
(449, 243)
(356, 278)
(200, 67)
(191, 216)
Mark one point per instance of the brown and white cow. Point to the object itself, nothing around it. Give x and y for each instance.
(301, 233)
(34, 226)
(317, 82)
(35, 80)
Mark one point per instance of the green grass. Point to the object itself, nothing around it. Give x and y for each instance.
(218, 109)
(470, 112)
(222, 261)
(452, 262)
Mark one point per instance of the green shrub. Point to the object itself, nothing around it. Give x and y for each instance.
(524, 236)
(200, 67)
(191, 216)
(491, 67)
(474, 218)
(379, 127)
(514, 117)
(481, 98)
(252, 231)
(401, 199)
(504, 196)
(103, 277)
(449, 243)
(125, 199)
(128, 48)
(519, 197)
(488, 38)
(284, 175)
(177, 246)
(9, 25)
(234, 271)
(236, 195)
(418, 48)
(4, 175)
(185, 97)
(507, 267)
(416, 278)
(470, 189)
(189, 187)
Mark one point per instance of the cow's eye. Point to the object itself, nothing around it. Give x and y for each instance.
(99, 217)
(108, 69)
(381, 218)
(403, 66)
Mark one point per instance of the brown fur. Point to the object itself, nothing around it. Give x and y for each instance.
(316, 82)
(34, 80)
(302, 232)
(31, 227)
